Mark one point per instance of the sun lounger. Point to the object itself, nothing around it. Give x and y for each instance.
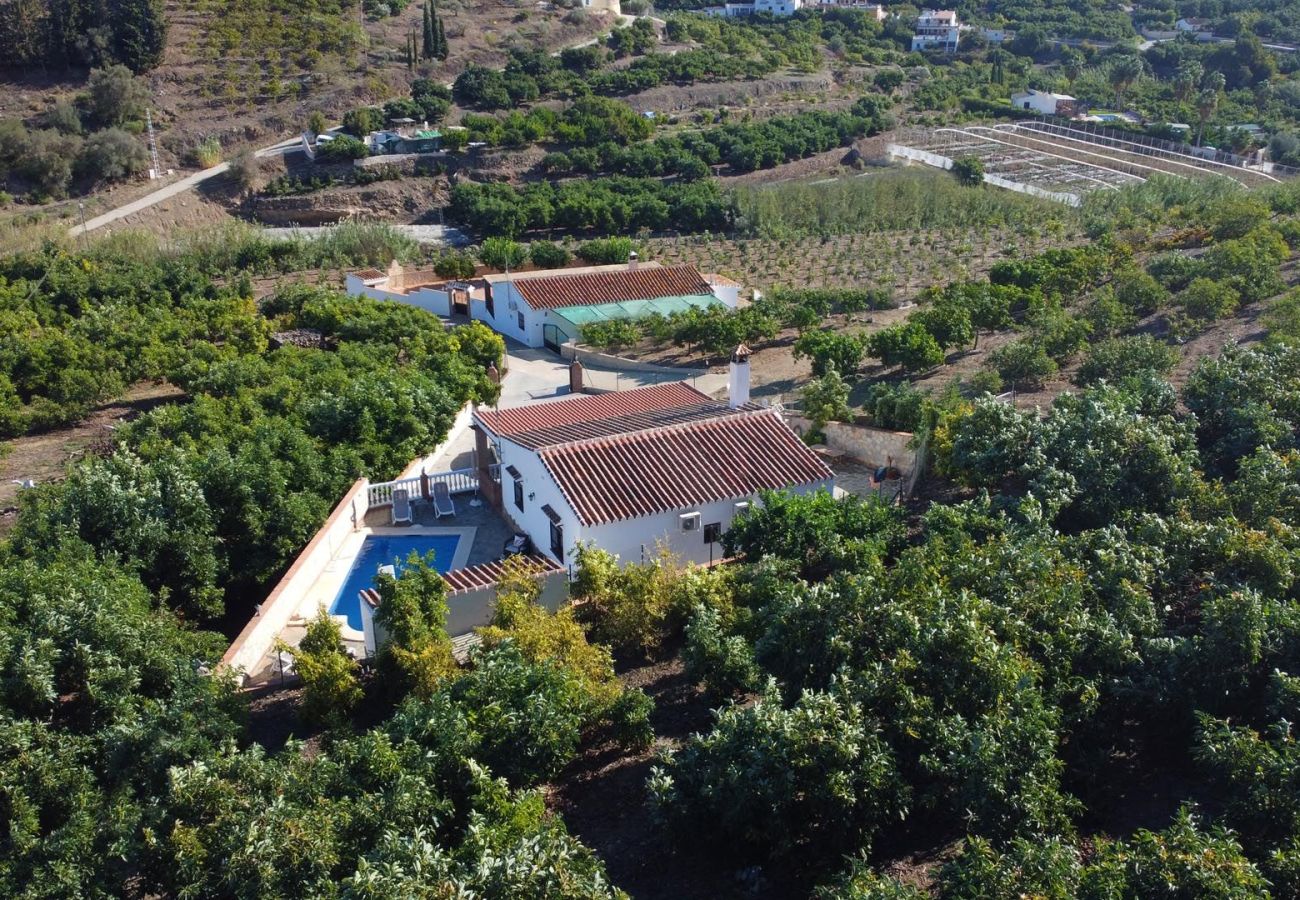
(442, 505)
(401, 507)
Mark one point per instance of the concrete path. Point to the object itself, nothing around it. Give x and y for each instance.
(532, 374)
(179, 187)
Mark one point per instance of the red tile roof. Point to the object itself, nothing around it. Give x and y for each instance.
(640, 421)
(590, 408)
(490, 573)
(676, 468)
(559, 291)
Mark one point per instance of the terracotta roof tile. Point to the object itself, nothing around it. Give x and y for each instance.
(589, 408)
(648, 472)
(369, 274)
(489, 573)
(561, 290)
(639, 421)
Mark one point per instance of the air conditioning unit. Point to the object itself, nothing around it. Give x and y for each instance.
(741, 507)
(512, 306)
(689, 521)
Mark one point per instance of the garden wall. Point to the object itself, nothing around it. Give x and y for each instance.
(873, 446)
(622, 363)
(274, 613)
(470, 609)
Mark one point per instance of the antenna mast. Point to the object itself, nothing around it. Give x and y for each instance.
(155, 171)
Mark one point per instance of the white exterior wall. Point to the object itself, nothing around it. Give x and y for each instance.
(506, 320)
(729, 294)
(628, 540)
(635, 539)
(538, 482)
(778, 7)
(436, 302)
(1045, 104)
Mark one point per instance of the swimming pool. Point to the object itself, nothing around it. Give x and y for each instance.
(388, 550)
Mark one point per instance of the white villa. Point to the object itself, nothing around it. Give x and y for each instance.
(1045, 103)
(937, 30)
(632, 472)
(548, 307)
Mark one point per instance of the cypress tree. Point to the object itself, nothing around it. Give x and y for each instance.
(139, 32)
(442, 36)
(430, 49)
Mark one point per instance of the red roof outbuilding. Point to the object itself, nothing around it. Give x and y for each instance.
(592, 288)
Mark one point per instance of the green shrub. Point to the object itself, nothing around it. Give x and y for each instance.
(605, 251)
(548, 255)
(360, 122)
(343, 148)
(116, 96)
(111, 155)
(968, 171)
(1119, 358)
(829, 350)
(206, 153)
(329, 675)
(908, 345)
(1207, 300)
(1024, 364)
(456, 264)
(502, 253)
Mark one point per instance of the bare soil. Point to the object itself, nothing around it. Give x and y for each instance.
(45, 457)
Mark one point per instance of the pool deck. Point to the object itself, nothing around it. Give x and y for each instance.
(483, 535)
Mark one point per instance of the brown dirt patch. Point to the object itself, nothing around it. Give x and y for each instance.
(45, 457)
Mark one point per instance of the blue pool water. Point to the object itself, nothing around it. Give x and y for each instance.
(383, 550)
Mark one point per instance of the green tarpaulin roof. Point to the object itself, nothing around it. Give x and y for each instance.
(634, 309)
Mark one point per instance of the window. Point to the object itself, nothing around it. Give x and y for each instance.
(689, 521)
(557, 533)
(519, 486)
(557, 541)
(521, 321)
(713, 532)
(488, 301)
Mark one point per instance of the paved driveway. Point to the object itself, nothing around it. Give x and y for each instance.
(532, 374)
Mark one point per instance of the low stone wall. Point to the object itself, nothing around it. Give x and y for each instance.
(273, 615)
(622, 363)
(873, 446)
(405, 163)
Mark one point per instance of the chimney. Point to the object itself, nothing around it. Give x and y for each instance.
(633, 261)
(738, 386)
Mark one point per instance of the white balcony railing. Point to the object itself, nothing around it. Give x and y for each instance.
(458, 481)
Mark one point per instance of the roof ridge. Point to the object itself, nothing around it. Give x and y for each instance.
(502, 416)
(726, 414)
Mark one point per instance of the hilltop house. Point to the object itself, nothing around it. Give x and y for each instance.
(549, 307)
(1045, 103)
(936, 30)
(631, 472)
